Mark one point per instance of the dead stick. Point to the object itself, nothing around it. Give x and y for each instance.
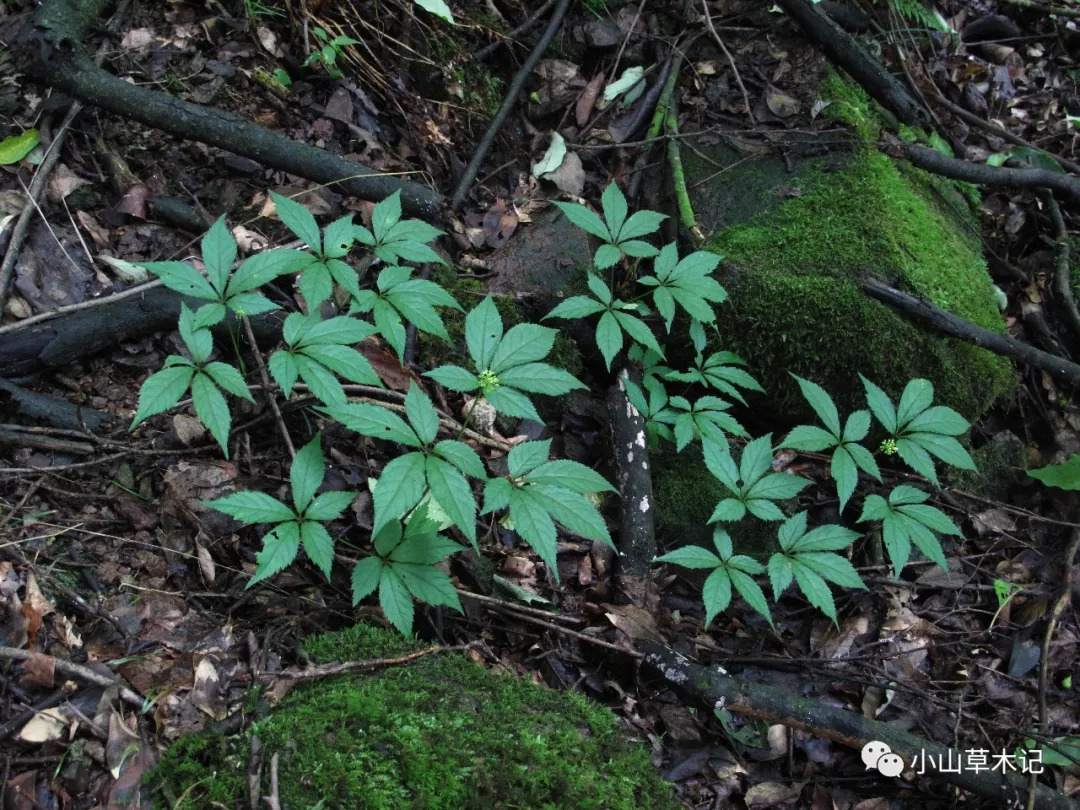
(927, 313)
(512, 93)
(79, 671)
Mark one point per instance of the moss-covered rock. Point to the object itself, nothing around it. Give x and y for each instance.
(797, 242)
(440, 732)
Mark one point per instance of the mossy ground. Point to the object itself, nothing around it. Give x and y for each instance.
(440, 732)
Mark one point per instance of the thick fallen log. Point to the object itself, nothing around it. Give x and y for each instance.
(633, 475)
(67, 334)
(52, 53)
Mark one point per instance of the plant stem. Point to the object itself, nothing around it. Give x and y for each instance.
(270, 398)
(678, 177)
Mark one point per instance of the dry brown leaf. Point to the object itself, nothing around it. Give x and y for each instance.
(570, 176)
(780, 104)
(188, 429)
(249, 241)
(773, 794)
(637, 623)
(587, 100)
(62, 182)
(135, 201)
(94, 228)
(137, 39)
(17, 307)
(206, 694)
(206, 563)
(39, 670)
(64, 628)
(394, 375)
(500, 223)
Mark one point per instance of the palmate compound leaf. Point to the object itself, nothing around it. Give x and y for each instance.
(807, 558)
(544, 492)
(730, 570)
(758, 490)
(906, 519)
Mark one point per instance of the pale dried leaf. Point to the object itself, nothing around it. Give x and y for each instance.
(45, 726)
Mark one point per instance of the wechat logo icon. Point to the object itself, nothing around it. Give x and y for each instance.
(877, 755)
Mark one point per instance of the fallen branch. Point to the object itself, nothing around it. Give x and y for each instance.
(1043, 8)
(979, 173)
(66, 334)
(54, 59)
(846, 51)
(659, 116)
(1001, 132)
(44, 170)
(786, 707)
(1063, 267)
(533, 19)
(678, 176)
(282, 682)
(927, 313)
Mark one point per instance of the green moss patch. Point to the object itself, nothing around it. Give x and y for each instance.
(440, 732)
(795, 307)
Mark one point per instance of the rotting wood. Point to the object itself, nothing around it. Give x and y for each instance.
(633, 475)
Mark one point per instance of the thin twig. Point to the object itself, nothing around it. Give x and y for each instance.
(267, 389)
(512, 94)
(533, 19)
(1062, 274)
(33, 194)
(731, 60)
(79, 671)
(44, 171)
(351, 667)
(1044, 663)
